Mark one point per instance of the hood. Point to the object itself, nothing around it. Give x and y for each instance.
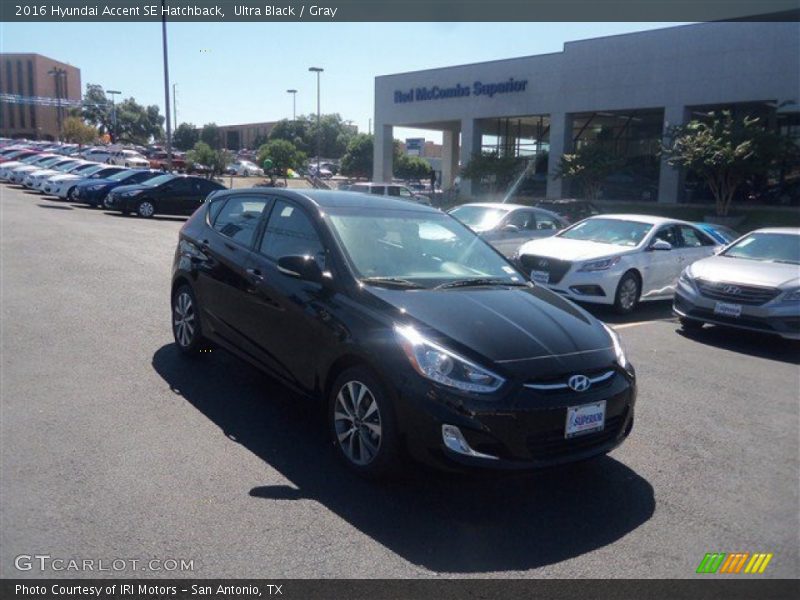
(746, 272)
(44, 172)
(64, 177)
(565, 249)
(525, 329)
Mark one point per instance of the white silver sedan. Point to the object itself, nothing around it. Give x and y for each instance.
(618, 260)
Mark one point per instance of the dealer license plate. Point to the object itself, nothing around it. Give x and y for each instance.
(727, 309)
(542, 277)
(585, 418)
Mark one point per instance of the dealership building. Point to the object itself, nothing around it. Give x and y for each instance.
(623, 91)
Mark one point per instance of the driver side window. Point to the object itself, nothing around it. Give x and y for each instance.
(667, 234)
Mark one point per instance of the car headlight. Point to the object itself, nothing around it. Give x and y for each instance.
(95, 188)
(686, 279)
(619, 352)
(792, 295)
(600, 265)
(443, 366)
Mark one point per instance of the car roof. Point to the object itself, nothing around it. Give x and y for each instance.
(789, 230)
(498, 205)
(338, 199)
(377, 183)
(649, 219)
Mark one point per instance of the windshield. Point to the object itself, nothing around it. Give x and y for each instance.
(93, 169)
(84, 168)
(155, 181)
(608, 231)
(122, 175)
(416, 248)
(479, 218)
(767, 247)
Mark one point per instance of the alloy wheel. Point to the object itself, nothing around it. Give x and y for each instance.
(627, 293)
(183, 320)
(357, 422)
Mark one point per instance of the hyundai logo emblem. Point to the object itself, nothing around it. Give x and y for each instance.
(543, 262)
(731, 290)
(579, 383)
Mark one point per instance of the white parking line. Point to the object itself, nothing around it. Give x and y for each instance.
(637, 323)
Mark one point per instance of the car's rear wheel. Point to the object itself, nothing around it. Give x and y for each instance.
(628, 290)
(362, 424)
(186, 327)
(145, 209)
(690, 324)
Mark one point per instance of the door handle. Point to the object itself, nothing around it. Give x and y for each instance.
(255, 274)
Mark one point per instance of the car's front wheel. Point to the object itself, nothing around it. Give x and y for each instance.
(362, 424)
(628, 290)
(186, 327)
(145, 209)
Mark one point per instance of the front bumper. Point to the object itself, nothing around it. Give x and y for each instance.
(775, 318)
(525, 429)
(596, 287)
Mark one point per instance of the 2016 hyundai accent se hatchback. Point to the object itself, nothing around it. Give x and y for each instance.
(420, 339)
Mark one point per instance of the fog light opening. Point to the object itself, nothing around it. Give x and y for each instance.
(455, 441)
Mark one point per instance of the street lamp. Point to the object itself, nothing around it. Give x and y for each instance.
(294, 103)
(58, 73)
(113, 94)
(318, 70)
(166, 85)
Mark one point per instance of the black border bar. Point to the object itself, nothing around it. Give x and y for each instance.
(402, 10)
(728, 588)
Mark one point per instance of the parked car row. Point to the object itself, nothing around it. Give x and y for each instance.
(122, 188)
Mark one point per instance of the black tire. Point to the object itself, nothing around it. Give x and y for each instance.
(384, 458)
(690, 324)
(146, 208)
(185, 310)
(626, 298)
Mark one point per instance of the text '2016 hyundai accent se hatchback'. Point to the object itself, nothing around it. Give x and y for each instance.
(421, 339)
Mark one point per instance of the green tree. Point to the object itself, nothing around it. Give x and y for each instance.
(295, 132)
(412, 167)
(725, 152)
(283, 155)
(185, 136)
(589, 166)
(75, 131)
(96, 108)
(203, 154)
(210, 135)
(357, 159)
(138, 124)
(498, 171)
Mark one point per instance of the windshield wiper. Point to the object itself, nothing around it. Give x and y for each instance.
(397, 281)
(786, 262)
(480, 281)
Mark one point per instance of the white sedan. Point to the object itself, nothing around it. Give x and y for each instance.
(245, 168)
(128, 158)
(617, 260)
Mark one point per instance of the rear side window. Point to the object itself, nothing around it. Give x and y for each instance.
(290, 232)
(545, 221)
(238, 218)
(692, 238)
(377, 190)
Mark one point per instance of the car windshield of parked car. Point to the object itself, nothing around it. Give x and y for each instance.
(417, 249)
(608, 231)
(767, 247)
(122, 175)
(156, 181)
(479, 218)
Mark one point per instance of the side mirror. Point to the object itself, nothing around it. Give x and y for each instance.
(300, 267)
(510, 228)
(660, 245)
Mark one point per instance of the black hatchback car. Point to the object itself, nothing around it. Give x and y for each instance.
(417, 336)
(165, 194)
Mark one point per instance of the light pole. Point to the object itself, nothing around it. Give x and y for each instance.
(174, 105)
(294, 104)
(318, 70)
(166, 85)
(113, 94)
(58, 73)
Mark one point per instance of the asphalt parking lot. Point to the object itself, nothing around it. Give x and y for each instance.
(113, 446)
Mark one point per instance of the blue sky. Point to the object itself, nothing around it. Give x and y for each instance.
(239, 72)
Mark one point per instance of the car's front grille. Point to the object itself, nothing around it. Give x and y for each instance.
(734, 292)
(598, 379)
(553, 444)
(556, 267)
